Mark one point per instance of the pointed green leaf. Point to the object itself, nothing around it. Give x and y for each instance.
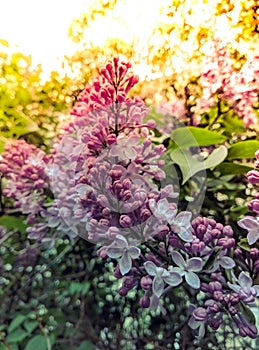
(192, 136)
(38, 342)
(16, 322)
(243, 149)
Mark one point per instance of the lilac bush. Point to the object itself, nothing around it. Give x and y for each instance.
(106, 180)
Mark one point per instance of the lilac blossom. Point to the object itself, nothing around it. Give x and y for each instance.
(187, 268)
(161, 276)
(121, 249)
(245, 289)
(251, 224)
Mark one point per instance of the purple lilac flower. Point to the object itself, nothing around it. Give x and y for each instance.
(121, 249)
(188, 268)
(161, 276)
(245, 289)
(251, 224)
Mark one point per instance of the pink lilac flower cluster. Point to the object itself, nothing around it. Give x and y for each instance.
(23, 165)
(251, 223)
(239, 88)
(105, 180)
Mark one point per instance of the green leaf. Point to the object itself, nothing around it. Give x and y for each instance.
(192, 164)
(226, 168)
(13, 223)
(30, 326)
(38, 342)
(247, 313)
(16, 336)
(192, 136)
(244, 244)
(243, 149)
(16, 322)
(86, 345)
(86, 287)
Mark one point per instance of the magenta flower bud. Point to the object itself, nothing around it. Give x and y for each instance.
(102, 200)
(196, 222)
(215, 233)
(145, 214)
(117, 272)
(219, 226)
(213, 307)
(126, 183)
(253, 177)
(126, 195)
(212, 223)
(144, 301)
(254, 253)
(227, 242)
(228, 231)
(162, 231)
(218, 295)
(200, 314)
(115, 173)
(129, 282)
(215, 286)
(140, 195)
(125, 221)
(200, 231)
(123, 291)
(102, 253)
(234, 299)
(146, 282)
(254, 205)
(197, 246)
(111, 139)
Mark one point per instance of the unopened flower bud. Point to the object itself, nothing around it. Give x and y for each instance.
(144, 301)
(146, 282)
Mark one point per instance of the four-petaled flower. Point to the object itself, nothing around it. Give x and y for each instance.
(181, 223)
(245, 288)
(187, 269)
(251, 224)
(161, 276)
(121, 249)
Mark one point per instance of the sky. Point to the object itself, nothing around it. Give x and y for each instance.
(39, 27)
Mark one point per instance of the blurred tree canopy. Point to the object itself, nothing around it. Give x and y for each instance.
(174, 44)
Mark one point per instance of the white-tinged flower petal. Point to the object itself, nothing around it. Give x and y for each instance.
(173, 279)
(252, 236)
(178, 270)
(151, 268)
(186, 235)
(234, 287)
(114, 252)
(178, 259)
(121, 241)
(194, 264)
(134, 252)
(125, 263)
(158, 286)
(192, 279)
(244, 280)
(227, 262)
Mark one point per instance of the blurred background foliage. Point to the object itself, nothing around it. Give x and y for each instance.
(63, 297)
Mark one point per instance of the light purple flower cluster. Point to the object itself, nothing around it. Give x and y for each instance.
(102, 182)
(239, 88)
(23, 165)
(251, 223)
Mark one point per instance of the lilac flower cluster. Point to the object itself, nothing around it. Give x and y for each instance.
(251, 223)
(23, 165)
(103, 182)
(239, 88)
